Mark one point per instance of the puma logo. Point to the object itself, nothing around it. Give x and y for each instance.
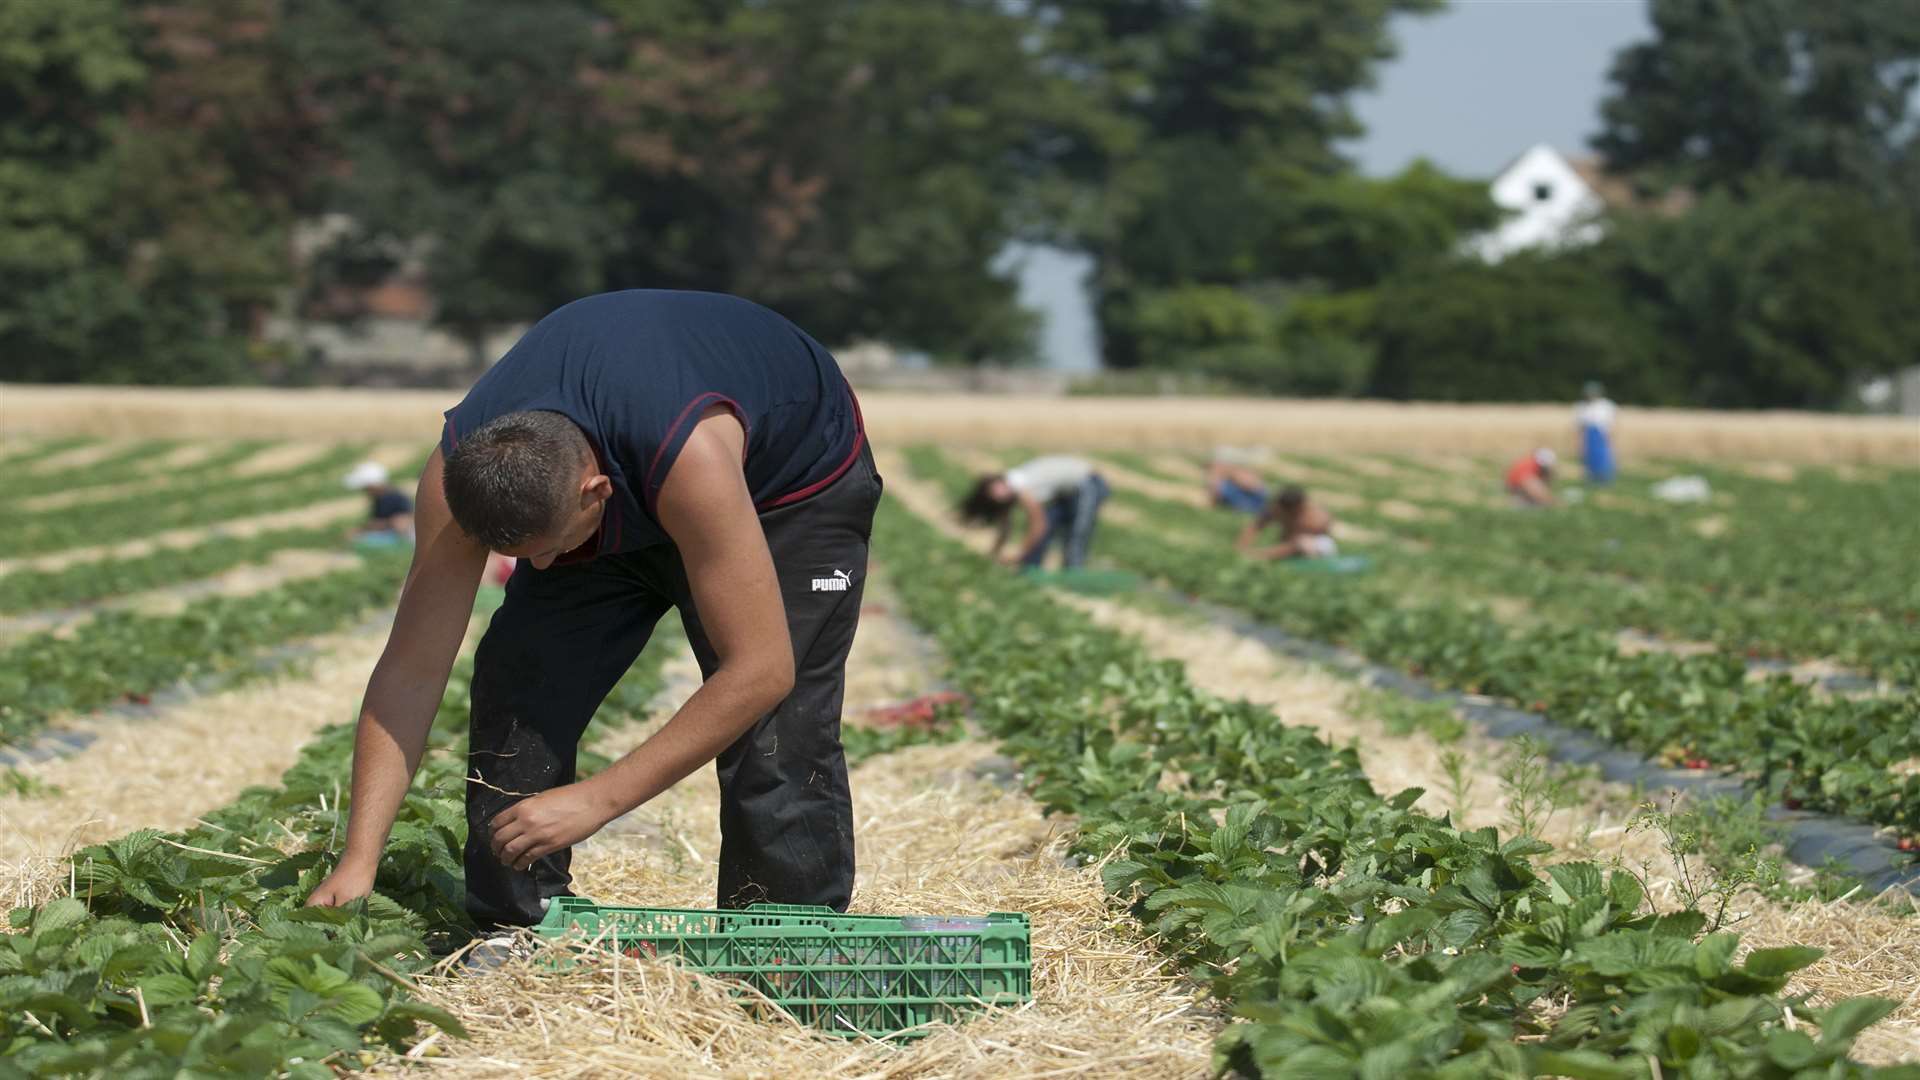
(841, 581)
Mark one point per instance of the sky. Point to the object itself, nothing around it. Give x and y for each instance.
(1484, 79)
(1472, 87)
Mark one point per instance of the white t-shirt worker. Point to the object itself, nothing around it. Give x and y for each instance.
(1061, 496)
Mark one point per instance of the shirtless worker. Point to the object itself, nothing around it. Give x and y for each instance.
(1305, 529)
(636, 451)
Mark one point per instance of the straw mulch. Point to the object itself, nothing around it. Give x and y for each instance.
(931, 837)
(931, 841)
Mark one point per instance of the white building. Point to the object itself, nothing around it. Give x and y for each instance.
(1550, 202)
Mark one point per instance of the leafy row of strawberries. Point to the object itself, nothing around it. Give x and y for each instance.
(1838, 755)
(190, 954)
(1350, 934)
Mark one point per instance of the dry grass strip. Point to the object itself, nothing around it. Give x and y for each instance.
(1080, 423)
(81, 456)
(164, 771)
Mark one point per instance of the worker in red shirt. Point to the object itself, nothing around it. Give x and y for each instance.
(1529, 479)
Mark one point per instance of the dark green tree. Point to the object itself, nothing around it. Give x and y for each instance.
(1730, 92)
(857, 165)
(1531, 327)
(1229, 113)
(465, 132)
(1778, 300)
(114, 261)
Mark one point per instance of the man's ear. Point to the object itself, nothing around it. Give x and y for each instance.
(597, 489)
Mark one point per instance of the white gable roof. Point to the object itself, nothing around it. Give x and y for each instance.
(1548, 205)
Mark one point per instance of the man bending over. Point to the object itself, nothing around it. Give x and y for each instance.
(635, 451)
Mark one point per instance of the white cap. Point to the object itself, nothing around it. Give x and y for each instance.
(365, 475)
(1545, 457)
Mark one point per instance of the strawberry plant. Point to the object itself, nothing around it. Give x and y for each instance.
(166, 508)
(33, 590)
(1349, 933)
(1838, 754)
(216, 639)
(191, 954)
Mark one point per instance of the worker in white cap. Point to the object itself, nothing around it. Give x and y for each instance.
(389, 511)
(1529, 479)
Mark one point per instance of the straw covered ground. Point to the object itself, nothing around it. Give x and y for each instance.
(935, 834)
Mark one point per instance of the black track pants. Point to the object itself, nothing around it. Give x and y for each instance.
(566, 634)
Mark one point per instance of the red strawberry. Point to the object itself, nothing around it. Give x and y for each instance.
(1908, 843)
(1697, 763)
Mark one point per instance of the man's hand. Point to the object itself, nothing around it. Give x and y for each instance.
(547, 822)
(348, 882)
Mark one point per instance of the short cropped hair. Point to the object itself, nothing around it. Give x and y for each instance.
(510, 480)
(1291, 497)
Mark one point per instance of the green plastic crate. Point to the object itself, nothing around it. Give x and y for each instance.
(849, 975)
(1081, 579)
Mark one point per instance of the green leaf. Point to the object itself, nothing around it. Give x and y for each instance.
(167, 988)
(1582, 1065)
(59, 915)
(1683, 1042)
(1713, 957)
(354, 1003)
(420, 1010)
(203, 956)
(1406, 798)
(1849, 1018)
(1791, 1049)
(1781, 961)
(1576, 881)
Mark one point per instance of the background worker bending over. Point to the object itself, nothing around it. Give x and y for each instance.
(1061, 496)
(1305, 529)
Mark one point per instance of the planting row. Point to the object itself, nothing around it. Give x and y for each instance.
(190, 954)
(1464, 559)
(1350, 934)
(1821, 542)
(21, 455)
(84, 583)
(120, 655)
(135, 516)
(135, 462)
(1844, 756)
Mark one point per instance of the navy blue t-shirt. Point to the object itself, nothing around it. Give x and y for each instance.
(635, 369)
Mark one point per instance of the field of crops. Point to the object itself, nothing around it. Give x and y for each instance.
(1235, 858)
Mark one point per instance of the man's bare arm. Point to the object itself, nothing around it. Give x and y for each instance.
(705, 506)
(405, 689)
(1036, 524)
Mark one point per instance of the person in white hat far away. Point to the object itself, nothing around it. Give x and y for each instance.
(1529, 479)
(389, 510)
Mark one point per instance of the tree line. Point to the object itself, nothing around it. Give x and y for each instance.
(859, 164)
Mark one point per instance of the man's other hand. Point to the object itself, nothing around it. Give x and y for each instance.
(347, 883)
(548, 822)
